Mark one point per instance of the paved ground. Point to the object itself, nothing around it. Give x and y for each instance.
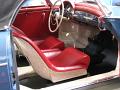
(110, 85)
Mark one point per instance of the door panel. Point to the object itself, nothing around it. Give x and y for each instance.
(33, 22)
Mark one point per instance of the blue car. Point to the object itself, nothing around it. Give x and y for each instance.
(58, 44)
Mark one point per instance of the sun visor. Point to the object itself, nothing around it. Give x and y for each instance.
(8, 9)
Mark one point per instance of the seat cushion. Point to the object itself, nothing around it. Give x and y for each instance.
(51, 53)
(71, 57)
(50, 43)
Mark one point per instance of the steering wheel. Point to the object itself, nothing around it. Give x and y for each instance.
(56, 16)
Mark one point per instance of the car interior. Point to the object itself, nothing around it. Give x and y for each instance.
(74, 47)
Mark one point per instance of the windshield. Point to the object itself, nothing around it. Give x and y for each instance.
(110, 8)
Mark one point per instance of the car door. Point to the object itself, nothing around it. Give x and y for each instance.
(8, 68)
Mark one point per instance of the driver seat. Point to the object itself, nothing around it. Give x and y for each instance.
(61, 65)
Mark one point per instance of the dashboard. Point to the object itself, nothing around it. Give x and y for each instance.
(85, 17)
(79, 16)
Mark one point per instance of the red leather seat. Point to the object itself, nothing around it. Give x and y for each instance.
(57, 65)
(50, 43)
(70, 59)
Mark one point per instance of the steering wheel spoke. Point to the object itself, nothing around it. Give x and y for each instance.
(57, 22)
